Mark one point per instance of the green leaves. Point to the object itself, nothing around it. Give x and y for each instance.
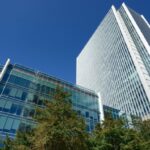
(60, 128)
(113, 135)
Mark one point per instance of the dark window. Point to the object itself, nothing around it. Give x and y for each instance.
(12, 79)
(13, 109)
(5, 77)
(6, 91)
(31, 112)
(25, 112)
(19, 81)
(87, 114)
(35, 99)
(1, 88)
(91, 117)
(40, 102)
(2, 104)
(19, 110)
(24, 96)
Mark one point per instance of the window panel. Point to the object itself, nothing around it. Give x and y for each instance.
(30, 97)
(12, 79)
(6, 91)
(35, 99)
(19, 110)
(15, 124)
(2, 122)
(87, 114)
(8, 105)
(8, 124)
(24, 96)
(1, 88)
(19, 93)
(2, 103)
(13, 92)
(13, 109)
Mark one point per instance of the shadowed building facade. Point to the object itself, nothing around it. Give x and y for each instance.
(22, 89)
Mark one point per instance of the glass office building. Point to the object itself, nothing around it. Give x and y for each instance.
(110, 112)
(22, 89)
(116, 62)
(115, 114)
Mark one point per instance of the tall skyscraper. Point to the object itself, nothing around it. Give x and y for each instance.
(116, 62)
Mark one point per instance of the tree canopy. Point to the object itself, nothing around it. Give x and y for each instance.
(61, 128)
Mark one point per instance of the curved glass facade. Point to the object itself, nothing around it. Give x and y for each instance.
(22, 89)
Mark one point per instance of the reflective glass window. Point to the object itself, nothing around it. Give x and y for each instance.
(24, 96)
(87, 114)
(35, 99)
(6, 91)
(15, 125)
(2, 122)
(19, 93)
(1, 88)
(8, 124)
(19, 110)
(7, 106)
(2, 103)
(13, 92)
(13, 109)
(30, 97)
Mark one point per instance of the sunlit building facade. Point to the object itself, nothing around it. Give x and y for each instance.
(116, 62)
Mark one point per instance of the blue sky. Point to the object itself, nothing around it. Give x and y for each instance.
(47, 35)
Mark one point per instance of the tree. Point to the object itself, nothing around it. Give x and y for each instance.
(143, 128)
(59, 127)
(114, 135)
(8, 143)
